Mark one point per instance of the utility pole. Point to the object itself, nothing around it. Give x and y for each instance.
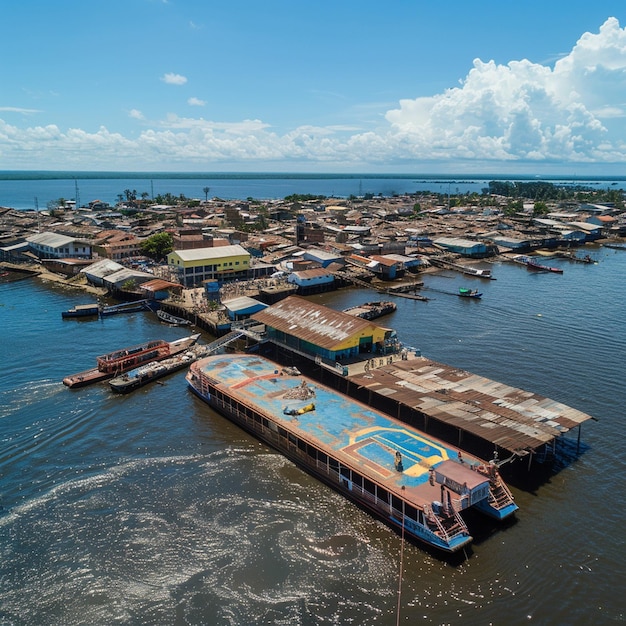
(37, 210)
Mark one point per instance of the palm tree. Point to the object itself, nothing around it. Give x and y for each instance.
(206, 192)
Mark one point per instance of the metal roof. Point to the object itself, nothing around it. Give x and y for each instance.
(217, 252)
(53, 240)
(243, 303)
(158, 284)
(513, 419)
(312, 322)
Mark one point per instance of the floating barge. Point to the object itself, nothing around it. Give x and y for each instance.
(120, 361)
(150, 372)
(82, 310)
(372, 310)
(413, 482)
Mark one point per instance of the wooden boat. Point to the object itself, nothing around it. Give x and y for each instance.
(415, 483)
(172, 320)
(372, 310)
(124, 307)
(480, 273)
(537, 267)
(534, 266)
(144, 374)
(469, 293)
(120, 361)
(82, 310)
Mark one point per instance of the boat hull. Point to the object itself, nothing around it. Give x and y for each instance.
(100, 374)
(412, 529)
(129, 382)
(81, 311)
(350, 446)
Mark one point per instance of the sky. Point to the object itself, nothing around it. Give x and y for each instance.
(332, 86)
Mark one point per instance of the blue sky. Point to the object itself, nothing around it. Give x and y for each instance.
(404, 86)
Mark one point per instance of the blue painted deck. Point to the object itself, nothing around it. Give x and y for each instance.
(346, 429)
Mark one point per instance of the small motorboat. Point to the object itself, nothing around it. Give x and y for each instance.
(469, 293)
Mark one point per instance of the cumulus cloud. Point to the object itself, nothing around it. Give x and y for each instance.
(196, 102)
(524, 110)
(136, 114)
(173, 79)
(518, 113)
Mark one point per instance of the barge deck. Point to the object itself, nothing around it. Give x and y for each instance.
(410, 480)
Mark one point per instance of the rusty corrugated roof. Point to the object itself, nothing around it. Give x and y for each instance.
(516, 420)
(158, 284)
(312, 322)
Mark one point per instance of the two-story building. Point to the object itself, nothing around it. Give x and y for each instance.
(117, 245)
(197, 265)
(49, 245)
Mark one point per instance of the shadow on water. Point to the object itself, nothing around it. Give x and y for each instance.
(483, 528)
(543, 468)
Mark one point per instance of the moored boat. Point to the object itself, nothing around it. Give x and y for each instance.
(82, 310)
(172, 320)
(532, 265)
(120, 361)
(480, 273)
(537, 267)
(144, 374)
(372, 310)
(415, 483)
(124, 307)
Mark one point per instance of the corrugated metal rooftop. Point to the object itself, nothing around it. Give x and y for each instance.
(513, 419)
(312, 322)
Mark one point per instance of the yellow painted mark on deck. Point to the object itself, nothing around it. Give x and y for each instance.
(414, 464)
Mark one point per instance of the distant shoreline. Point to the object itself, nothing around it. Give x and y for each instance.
(160, 175)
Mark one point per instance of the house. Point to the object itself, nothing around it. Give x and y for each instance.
(386, 267)
(593, 230)
(50, 245)
(242, 307)
(117, 245)
(606, 222)
(222, 263)
(322, 257)
(464, 247)
(320, 331)
(315, 280)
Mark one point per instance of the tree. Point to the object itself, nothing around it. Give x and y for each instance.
(158, 246)
(206, 190)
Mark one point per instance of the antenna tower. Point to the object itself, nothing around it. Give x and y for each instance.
(77, 196)
(37, 209)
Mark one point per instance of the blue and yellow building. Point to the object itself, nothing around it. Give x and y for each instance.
(320, 331)
(221, 263)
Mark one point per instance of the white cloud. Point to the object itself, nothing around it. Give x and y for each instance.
(519, 113)
(196, 102)
(19, 110)
(173, 79)
(524, 110)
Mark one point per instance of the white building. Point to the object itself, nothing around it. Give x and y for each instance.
(53, 246)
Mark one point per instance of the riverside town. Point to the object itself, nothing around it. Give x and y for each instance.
(417, 443)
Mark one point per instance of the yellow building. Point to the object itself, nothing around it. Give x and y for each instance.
(319, 330)
(219, 263)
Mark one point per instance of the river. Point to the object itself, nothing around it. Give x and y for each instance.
(151, 508)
